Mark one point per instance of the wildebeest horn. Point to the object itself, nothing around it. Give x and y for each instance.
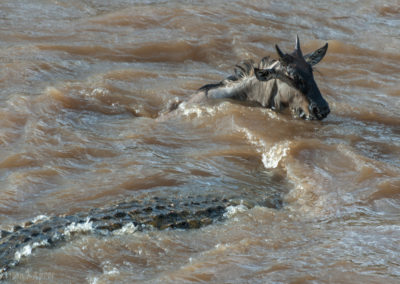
(279, 51)
(297, 46)
(283, 57)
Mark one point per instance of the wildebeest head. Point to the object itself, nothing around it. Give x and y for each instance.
(296, 71)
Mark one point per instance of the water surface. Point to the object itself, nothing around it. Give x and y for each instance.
(82, 84)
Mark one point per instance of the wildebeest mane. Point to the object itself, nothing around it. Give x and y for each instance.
(242, 70)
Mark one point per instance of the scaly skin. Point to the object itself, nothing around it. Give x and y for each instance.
(159, 213)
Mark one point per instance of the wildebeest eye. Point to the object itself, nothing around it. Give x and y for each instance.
(297, 79)
(299, 82)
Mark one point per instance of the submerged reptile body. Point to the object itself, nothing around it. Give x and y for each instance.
(159, 213)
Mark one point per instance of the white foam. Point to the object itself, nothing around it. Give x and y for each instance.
(129, 228)
(271, 113)
(196, 110)
(270, 155)
(113, 271)
(275, 154)
(233, 210)
(93, 280)
(78, 227)
(40, 218)
(27, 250)
(201, 110)
(99, 92)
(109, 269)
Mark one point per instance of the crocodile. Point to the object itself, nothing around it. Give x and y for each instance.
(191, 212)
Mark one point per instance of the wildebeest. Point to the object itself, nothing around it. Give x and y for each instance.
(275, 84)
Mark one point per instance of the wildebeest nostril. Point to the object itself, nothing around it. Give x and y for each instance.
(324, 112)
(314, 109)
(319, 112)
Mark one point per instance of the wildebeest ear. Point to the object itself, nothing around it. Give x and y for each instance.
(284, 58)
(316, 56)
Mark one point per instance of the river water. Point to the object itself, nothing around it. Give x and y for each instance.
(83, 85)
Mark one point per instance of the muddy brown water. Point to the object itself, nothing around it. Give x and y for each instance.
(82, 87)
